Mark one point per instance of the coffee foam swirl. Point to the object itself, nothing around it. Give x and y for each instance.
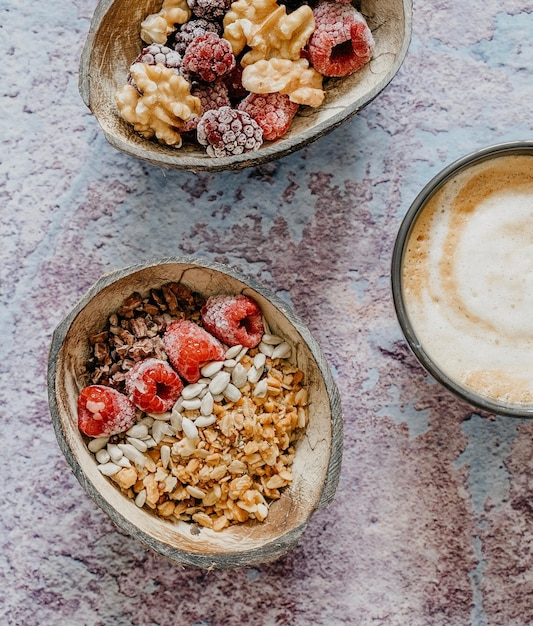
(468, 278)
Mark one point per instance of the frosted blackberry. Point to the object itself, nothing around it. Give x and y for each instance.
(210, 10)
(212, 96)
(157, 53)
(227, 132)
(192, 29)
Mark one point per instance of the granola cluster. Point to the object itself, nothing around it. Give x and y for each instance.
(217, 458)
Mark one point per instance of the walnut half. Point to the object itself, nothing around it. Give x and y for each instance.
(160, 105)
(301, 83)
(158, 26)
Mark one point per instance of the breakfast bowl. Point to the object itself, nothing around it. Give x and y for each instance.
(241, 488)
(114, 42)
(462, 278)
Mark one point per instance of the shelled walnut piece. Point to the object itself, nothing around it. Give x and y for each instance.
(158, 26)
(160, 106)
(300, 82)
(267, 29)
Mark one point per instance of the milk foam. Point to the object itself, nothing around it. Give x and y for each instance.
(468, 279)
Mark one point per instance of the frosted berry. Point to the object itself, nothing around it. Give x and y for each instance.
(272, 111)
(234, 319)
(209, 57)
(212, 96)
(189, 347)
(341, 42)
(104, 411)
(156, 53)
(192, 29)
(210, 10)
(153, 386)
(227, 132)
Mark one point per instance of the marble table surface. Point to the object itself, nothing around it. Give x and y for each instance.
(433, 519)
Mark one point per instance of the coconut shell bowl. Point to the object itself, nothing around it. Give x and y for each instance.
(114, 43)
(315, 449)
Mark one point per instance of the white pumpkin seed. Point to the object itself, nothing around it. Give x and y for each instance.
(195, 492)
(160, 416)
(272, 340)
(159, 430)
(138, 431)
(241, 354)
(137, 443)
(204, 420)
(239, 376)
(219, 383)
(133, 454)
(260, 390)
(114, 452)
(189, 428)
(177, 406)
(254, 374)
(232, 393)
(123, 462)
(97, 444)
(266, 348)
(259, 360)
(148, 421)
(108, 469)
(282, 351)
(206, 408)
(165, 455)
(140, 499)
(232, 352)
(191, 391)
(176, 420)
(230, 364)
(191, 405)
(102, 456)
(212, 368)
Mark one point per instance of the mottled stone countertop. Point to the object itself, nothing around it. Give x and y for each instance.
(433, 519)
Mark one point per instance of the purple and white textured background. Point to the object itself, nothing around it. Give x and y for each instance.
(433, 520)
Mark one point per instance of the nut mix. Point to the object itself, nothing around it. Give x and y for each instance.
(246, 47)
(192, 407)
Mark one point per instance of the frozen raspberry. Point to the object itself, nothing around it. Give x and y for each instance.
(341, 42)
(156, 53)
(192, 29)
(234, 320)
(153, 385)
(227, 131)
(104, 411)
(272, 111)
(209, 57)
(212, 96)
(210, 10)
(189, 347)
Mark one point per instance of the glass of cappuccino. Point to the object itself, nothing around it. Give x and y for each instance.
(462, 278)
